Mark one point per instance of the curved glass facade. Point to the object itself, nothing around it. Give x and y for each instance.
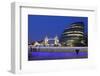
(74, 35)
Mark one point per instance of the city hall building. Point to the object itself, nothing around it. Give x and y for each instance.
(74, 35)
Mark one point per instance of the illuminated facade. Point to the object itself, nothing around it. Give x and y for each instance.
(74, 35)
(48, 42)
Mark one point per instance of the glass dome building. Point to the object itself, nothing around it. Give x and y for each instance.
(74, 36)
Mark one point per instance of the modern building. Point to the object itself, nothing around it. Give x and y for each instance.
(74, 36)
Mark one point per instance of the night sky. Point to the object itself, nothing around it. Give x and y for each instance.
(40, 26)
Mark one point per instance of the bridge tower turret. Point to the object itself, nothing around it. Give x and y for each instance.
(56, 42)
(46, 41)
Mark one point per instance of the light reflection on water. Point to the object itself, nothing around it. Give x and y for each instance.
(56, 55)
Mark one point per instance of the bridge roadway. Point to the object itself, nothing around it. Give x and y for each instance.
(58, 49)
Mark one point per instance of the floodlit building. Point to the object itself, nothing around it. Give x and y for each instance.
(74, 35)
(36, 44)
(52, 41)
(48, 42)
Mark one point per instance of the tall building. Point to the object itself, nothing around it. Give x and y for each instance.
(74, 36)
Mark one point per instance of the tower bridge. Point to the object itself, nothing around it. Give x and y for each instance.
(49, 42)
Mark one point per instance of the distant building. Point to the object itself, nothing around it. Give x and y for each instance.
(74, 35)
(52, 41)
(36, 44)
(48, 42)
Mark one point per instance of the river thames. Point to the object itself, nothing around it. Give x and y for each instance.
(57, 53)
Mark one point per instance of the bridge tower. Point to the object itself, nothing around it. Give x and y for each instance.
(56, 40)
(46, 41)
